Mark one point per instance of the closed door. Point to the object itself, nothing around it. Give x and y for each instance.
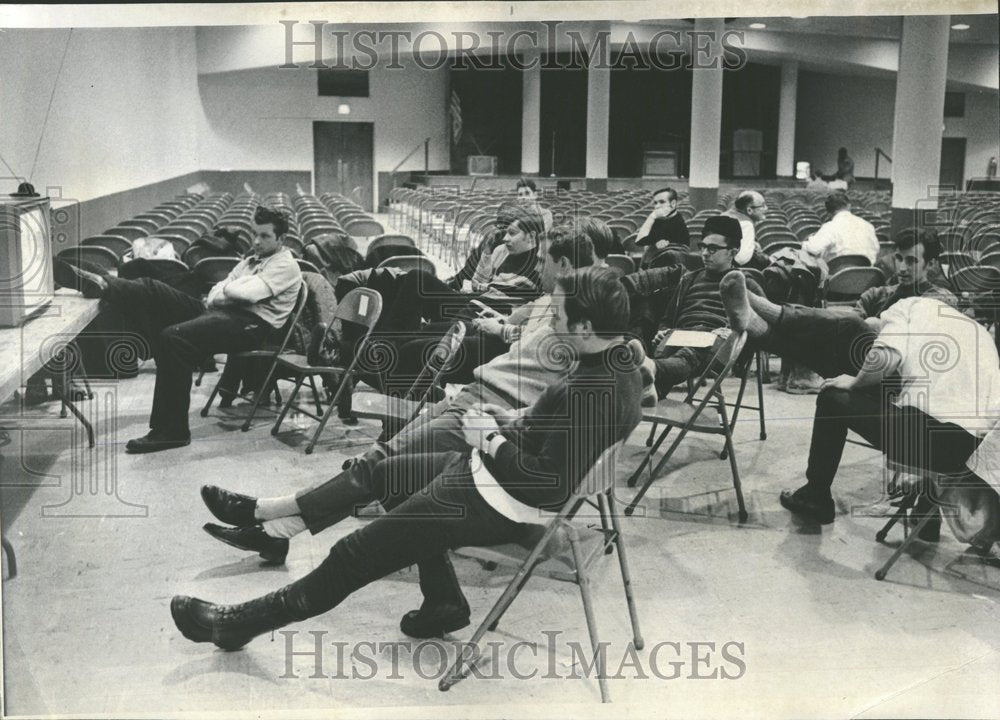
(343, 153)
(953, 162)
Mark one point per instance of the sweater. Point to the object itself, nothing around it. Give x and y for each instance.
(553, 445)
(671, 228)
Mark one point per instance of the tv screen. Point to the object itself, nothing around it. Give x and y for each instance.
(25, 262)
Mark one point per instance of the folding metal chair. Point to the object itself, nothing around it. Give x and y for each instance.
(266, 353)
(410, 262)
(560, 542)
(361, 307)
(706, 414)
(906, 504)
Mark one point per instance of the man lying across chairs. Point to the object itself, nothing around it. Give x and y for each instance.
(692, 303)
(921, 383)
(510, 381)
(239, 314)
(442, 500)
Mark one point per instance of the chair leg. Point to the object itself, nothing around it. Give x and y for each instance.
(583, 580)
(602, 509)
(211, 397)
(659, 466)
(8, 550)
(760, 398)
(263, 391)
(736, 411)
(634, 477)
(905, 504)
(737, 485)
(914, 534)
(288, 403)
(315, 394)
(633, 614)
(652, 433)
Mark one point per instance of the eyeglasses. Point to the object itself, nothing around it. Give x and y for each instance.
(711, 249)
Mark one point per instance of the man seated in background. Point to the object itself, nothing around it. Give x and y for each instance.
(916, 256)
(844, 234)
(748, 209)
(536, 361)
(921, 383)
(488, 491)
(663, 227)
(240, 312)
(527, 193)
(692, 303)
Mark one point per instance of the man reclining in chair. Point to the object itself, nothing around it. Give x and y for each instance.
(240, 312)
(693, 303)
(444, 500)
(514, 380)
(921, 383)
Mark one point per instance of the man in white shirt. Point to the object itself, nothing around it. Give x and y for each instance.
(749, 208)
(844, 234)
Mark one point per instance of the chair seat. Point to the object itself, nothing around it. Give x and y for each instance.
(678, 413)
(301, 363)
(377, 405)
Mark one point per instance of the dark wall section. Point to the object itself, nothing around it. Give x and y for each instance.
(564, 117)
(490, 99)
(750, 100)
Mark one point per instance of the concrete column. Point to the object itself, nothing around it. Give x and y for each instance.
(786, 118)
(919, 116)
(531, 115)
(706, 113)
(598, 109)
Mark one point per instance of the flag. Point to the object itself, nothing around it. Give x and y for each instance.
(455, 108)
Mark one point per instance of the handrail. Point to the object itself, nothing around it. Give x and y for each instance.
(416, 147)
(879, 152)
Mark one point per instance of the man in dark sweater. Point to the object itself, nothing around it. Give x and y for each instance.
(693, 303)
(663, 227)
(442, 501)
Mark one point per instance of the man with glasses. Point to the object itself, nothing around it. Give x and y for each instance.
(692, 302)
(749, 209)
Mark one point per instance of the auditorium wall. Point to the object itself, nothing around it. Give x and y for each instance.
(124, 115)
(981, 129)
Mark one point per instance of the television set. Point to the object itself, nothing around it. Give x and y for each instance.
(482, 165)
(26, 285)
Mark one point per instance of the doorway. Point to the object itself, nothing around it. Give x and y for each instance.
(343, 159)
(953, 163)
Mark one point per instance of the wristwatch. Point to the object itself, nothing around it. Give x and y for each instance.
(490, 437)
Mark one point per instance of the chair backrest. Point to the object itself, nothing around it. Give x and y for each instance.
(410, 262)
(288, 329)
(725, 351)
(621, 264)
(391, 240)
(840, 262)
(128, 232)
(849, 283)
(118, 245)
(601, 476)
(100, 256)
(214, 269)
(306, 266)
(975, 279)
(363, 228)
(440, 360)
(166, 264)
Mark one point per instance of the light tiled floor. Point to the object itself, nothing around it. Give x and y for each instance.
(87, 628)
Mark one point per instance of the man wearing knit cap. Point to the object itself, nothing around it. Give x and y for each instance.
(693, 302)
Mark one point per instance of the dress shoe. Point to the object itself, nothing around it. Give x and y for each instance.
(229, 507)
(252, 539)
(230, 627)
(434, 620)
(803, 502)
(154, 441)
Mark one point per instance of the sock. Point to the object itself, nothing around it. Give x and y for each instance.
(274, 508)
(284, 527)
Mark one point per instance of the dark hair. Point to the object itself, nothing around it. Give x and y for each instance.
(726, 227)
(596, 294)
(601, 236)
(837, 201)
(526, 217)
(265, 215)
(673, 193)
(526, 182)
(228, 234)
(908, 237)
(744, 200)
(569, 242)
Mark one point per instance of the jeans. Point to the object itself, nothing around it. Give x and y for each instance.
(181, 333)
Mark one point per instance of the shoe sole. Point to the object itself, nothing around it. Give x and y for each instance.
(806, 514)
(146, 449)
(447, 628)
(270, 557)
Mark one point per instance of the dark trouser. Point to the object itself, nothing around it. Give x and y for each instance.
(905, 434)
(682, 365)
(184, 280)
(181, 334)
(432, 507)
(829, 342)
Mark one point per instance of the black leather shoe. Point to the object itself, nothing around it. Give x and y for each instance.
(803, 502)
(252, 539)
(230, 627)
(154, 441)
(90, 284)
(229, 507)
(434, 620)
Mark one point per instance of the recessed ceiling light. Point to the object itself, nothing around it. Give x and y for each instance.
(959, 26)
(343, 109)
(758, 26)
